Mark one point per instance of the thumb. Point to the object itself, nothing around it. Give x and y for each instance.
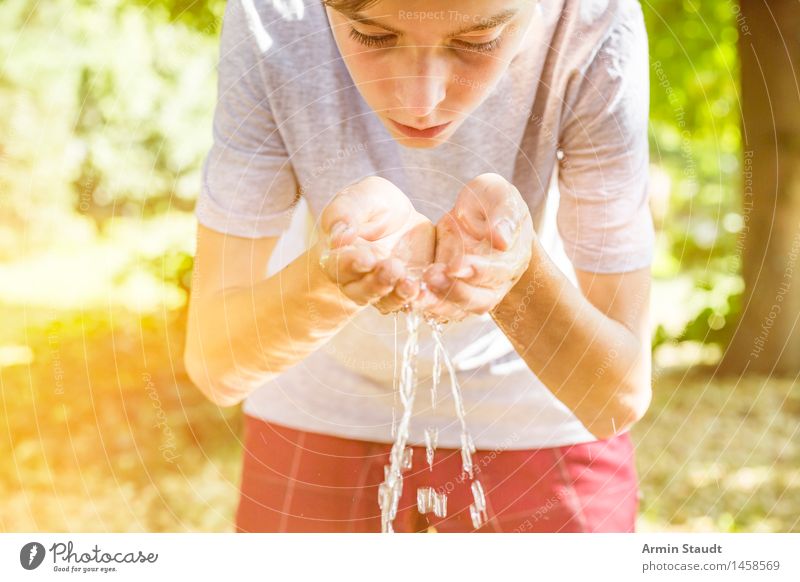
(489, 209)
(370, 209)
(339, 222)
(504, 231)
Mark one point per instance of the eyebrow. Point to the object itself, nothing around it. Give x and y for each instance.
(485, 24)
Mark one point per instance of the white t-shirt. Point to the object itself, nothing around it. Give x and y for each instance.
(566, 124)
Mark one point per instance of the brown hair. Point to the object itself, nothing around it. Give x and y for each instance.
(349, 5)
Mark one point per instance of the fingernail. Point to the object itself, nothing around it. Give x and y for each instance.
(505, 228)
(339, 228)
(464, 272)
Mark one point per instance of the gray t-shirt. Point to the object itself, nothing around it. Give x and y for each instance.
(566, 124)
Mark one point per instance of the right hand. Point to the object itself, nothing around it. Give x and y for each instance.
(374, 244)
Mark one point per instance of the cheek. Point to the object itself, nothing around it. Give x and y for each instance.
(371, 75)
(471, 83)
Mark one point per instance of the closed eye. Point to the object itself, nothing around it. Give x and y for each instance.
(483, 47)
(371, 40)
(377, 41)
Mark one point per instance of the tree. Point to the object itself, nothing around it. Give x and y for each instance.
(767, 338)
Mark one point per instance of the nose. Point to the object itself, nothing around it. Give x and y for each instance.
(421, 86)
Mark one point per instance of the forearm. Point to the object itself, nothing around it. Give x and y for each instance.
(594, 364)
(242, 336)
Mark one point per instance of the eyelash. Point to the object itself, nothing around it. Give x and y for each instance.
(379, 41)
(367, 40)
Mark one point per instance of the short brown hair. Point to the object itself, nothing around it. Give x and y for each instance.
(349, 5)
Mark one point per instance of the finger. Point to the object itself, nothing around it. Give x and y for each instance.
(417, 246)
(490, 208)
(451, 243)
(444, 311)
(375, 284)
(504, 232)
(484, 271)
(437, 307)
(348, 264)
(471, 299)
(369, 207)
(404, 293)
(466, 297)
(343, 232)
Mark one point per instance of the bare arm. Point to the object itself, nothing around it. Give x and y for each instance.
(591, 348)
(243, 327)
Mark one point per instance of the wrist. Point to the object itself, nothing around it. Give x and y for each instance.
(520, 295)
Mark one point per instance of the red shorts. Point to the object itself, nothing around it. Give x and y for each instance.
(297, 481)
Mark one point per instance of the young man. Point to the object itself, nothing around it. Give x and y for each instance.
(430, 132)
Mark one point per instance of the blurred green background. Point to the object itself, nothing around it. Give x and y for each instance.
(105, 117)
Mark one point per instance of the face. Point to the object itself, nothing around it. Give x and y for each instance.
(424, 65)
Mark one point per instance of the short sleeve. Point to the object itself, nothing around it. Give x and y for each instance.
(248, 186)
(604, 217)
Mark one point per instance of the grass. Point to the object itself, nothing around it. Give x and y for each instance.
(720, 454)
(101, 431)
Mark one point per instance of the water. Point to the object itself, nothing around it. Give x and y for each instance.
(400, 458)
(428, 499)
(477, 510)
(396, 376)
(391, 489)
(431, 438)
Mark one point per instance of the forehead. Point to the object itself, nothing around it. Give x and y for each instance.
(443, 17)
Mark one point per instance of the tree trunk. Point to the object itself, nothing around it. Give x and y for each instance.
(767, 339)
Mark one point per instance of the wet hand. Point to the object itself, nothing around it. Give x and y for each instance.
(375, 245)
(483, 246)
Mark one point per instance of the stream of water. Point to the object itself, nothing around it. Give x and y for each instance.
(400, 459)
(404, 387)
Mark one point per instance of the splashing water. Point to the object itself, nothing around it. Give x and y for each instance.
(400, 458)
(478, 508)
(431, 438)
(394, 381)
(428, 500)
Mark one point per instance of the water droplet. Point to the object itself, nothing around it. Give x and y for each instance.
(429, 501)
(431, 440)
(478, 516)
(407, 458)
(478, 495)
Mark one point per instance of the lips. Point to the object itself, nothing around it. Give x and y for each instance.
(427, 132)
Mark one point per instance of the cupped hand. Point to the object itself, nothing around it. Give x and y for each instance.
(375, 245)
(483, 246)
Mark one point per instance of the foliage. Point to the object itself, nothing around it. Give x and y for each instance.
(696, 140)
(106, 109)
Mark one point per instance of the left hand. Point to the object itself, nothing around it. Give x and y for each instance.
(483, 246)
